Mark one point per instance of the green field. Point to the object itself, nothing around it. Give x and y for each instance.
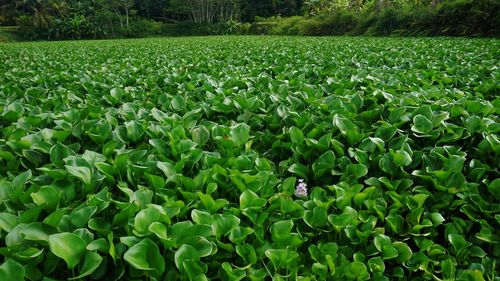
(186, 158)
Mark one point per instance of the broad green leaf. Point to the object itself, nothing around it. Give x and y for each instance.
(249, 199)
(200, 135)
(185, 252)
(357, 170)
(296, 135)
(8, 221)
(135, 130)
(223, 224)
(421, 124)
(282, 258)
(299, 170)
(67, 246)
(324, 164)
(91, 262)
(376, 265)
(458, 242)
(281, 231)
(146, 256)
(240, 134)
(12, 271)
(83, 173)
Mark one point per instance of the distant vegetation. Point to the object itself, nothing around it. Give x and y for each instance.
(95, 19)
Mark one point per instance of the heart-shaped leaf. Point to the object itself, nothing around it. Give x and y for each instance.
(68, 246)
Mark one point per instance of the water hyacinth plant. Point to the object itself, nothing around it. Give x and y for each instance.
(250, 158)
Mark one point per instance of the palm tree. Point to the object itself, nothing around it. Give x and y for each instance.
(6, 8)
(42, 11)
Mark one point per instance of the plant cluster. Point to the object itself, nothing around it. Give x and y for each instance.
(250, 158)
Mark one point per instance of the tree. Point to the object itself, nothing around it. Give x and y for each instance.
(42, 12)
(127, 5)
(207, 11)
(7, 11)
(120, 7)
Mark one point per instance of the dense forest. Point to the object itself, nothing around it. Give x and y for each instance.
(77, 19)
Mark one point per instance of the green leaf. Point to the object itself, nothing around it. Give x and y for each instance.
(201, 245)
(178, 103)
(380, 241)
(317, 217)
(146, 217)
(249, 199)
(281, 231)
(12, 271)
(135, 131)
(47, 196)
(146, 256)
(389, 252)
(67, 246)
(247, 253)
(437, 219)
(386, 164)
(8, 221)
(296, 135)
(341, 221)
(159, 229)
(223, 224)
(282, 258)
(91, 262)
(320, 269)
(185, 252)
(200, 135)
(299, 170)
(357, 170)
(83, 173)
(324, 164)
(21, 179)
(347, 128)
(458, 242)
(471, 275)
(376, 265)
(401, 158)
(240, 134)
(81, 217)
(404, 251)
(494, 188)
(395, 222)
(448, 269)
(421, 124)
(359, 270)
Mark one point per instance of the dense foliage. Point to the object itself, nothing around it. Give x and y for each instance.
(77, 19)
(454, 18)
(229, 158)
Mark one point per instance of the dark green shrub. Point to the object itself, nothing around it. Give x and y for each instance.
(191, 29)
(338, 23)
(422, 21)
(310, 27)
(387, 21)
(288, 26)
(262, 27)
(140, 27)
(28, 28)
(244, 28)
(469, 17)
(452, 17)
(9, 34)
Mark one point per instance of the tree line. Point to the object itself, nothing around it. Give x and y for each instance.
(76, 19)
